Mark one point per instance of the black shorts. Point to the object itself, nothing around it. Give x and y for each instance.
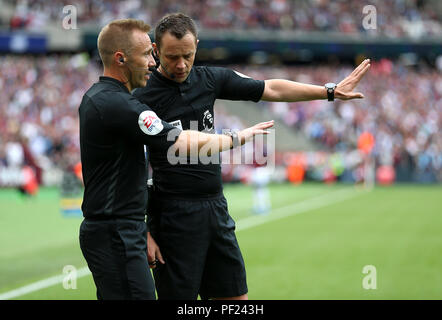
(198, 243)
(116, 254)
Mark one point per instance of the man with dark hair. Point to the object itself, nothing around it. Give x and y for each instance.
(114, 127)
(191, 224)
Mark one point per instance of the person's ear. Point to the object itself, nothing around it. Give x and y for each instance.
(155, 50)
(119, 58)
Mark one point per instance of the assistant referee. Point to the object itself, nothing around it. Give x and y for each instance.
(112, 135)
(114, 127)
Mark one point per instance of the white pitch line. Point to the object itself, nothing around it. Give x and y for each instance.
(299, 207)
(42, 284)
(243, 224)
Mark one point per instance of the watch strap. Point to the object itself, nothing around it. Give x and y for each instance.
(330, 88)
(235, 138)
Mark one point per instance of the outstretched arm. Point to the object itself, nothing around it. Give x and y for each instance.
(191, 140)
(290, 91)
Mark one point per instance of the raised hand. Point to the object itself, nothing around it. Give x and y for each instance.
(344, 90)
(260, 128)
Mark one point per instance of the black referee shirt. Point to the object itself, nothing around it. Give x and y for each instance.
(114, 126)
(193, 100)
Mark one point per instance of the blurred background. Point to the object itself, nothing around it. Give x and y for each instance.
(391, 140)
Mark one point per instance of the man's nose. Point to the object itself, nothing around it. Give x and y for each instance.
(181, 64)
(151, 62)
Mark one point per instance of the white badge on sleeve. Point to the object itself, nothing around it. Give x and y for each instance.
(150, 123)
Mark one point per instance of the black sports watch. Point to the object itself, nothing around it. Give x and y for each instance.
(330, 90)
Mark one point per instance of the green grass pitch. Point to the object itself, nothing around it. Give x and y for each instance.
(314, 245)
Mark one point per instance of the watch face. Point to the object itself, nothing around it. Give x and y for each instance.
(330, 85)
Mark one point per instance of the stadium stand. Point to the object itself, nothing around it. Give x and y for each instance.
(395, 19)
(45, 71)
(403, 108)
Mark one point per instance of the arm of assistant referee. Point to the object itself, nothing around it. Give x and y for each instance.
(194, 141)
(126, 116)
(140, 123)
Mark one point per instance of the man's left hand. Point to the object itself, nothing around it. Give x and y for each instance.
(153, 252)
(344, 89)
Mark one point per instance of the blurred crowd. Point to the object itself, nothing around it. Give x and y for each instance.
(394, 18)
(402, 109)
(39, 109)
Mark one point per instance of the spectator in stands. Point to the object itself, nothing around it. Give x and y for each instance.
(405, 106)
(394, 18)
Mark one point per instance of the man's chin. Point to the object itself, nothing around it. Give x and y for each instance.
(180, 77)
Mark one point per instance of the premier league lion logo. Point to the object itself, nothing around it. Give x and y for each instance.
(208, 121)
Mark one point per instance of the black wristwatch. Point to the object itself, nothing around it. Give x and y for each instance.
(330, 90)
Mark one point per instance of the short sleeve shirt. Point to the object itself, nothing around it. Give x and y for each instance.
(189, 105)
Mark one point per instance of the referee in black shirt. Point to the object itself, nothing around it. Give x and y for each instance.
(114, 127)
(194, 232)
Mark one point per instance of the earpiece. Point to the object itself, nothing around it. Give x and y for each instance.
(121, 59)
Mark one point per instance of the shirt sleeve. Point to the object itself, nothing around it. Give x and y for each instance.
(139, 122)
(232, 85)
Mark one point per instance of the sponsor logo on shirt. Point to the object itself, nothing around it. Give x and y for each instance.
(149, 123)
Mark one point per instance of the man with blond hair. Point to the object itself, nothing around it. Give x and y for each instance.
(114, 127)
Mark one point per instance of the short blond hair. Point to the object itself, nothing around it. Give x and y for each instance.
(117, 35)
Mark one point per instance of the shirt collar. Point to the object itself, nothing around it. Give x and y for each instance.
(113, 80)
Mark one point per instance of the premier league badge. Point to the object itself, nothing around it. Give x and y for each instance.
(208, 122)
